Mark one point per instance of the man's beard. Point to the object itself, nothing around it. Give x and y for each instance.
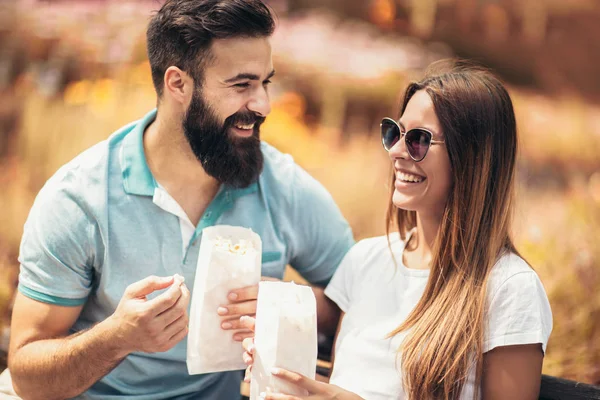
(231, 160)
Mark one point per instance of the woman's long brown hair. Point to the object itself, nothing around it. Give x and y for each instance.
(445, 330)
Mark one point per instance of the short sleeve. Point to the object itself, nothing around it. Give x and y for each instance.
(57, 251)
(341, 288)
(518, 313)
(322, 236)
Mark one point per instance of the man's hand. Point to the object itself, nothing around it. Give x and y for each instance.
(155, 325)
(242, 302)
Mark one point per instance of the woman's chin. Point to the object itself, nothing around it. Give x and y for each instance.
(404, 202)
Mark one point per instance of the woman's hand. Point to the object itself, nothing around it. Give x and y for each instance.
(317, 390)
(248, 344)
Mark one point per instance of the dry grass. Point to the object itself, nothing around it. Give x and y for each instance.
(558, 220)
(557, 226)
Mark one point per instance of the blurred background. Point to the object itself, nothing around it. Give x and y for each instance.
(71, 72)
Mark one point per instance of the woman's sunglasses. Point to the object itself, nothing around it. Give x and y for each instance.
(417, 140)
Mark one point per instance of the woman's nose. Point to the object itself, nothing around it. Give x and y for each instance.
(399, 150)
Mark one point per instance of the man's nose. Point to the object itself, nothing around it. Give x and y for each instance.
(260, 102)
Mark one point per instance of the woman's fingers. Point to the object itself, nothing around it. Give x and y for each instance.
(247, 322)
(279, 396)
(302, 381)
(248, 345)
(248, 360)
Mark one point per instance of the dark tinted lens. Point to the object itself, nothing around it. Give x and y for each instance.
(389, 134)
(417, 143)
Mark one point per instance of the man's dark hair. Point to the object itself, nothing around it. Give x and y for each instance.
(181, 32)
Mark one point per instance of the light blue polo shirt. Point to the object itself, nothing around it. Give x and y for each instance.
(102, 222)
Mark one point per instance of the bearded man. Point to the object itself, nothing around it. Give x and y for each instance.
(121, 220)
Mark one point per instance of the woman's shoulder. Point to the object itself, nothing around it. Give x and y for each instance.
(513, 280)
(518, 309)
(373, 254)
(508, 266)
(510, 269)
(377, 247)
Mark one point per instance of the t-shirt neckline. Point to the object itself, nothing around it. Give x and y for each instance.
(399, 257)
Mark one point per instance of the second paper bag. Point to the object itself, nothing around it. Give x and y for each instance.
(229, 258)
(286, 336)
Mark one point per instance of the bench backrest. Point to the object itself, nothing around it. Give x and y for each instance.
(562, 389)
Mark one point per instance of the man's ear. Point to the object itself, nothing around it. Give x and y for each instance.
(178, 85)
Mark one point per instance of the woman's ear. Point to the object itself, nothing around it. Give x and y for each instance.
(178, 85)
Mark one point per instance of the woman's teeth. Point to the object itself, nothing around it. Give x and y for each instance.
(245, 127)
(404, 177)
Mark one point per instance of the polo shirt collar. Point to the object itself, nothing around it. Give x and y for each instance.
(137, 178)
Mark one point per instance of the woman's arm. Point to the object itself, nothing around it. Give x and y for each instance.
(512, 372)
(322, 378)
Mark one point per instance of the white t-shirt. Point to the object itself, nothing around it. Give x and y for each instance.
(376, 297)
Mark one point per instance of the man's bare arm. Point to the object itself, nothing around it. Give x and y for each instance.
(62, 367)
(45, 363)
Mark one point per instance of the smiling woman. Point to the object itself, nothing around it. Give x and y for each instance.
(445, 307)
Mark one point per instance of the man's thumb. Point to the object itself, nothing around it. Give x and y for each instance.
(148, 285)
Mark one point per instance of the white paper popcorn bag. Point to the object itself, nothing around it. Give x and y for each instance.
(286, 336)
(229, 258)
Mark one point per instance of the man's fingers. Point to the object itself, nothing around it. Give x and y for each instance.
(231, 324)
(248, 292)
(244, 294)
(240, 336)
(176, 311)
(178, 337)
(165, 300)
(176, 326)
(238, 309)
(148, 285)
(186, 295)
(302, 381)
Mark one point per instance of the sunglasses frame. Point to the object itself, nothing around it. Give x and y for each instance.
(403, 135)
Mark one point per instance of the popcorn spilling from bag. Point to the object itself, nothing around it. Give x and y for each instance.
(241, 247)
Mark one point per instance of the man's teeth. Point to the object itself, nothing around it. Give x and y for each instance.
(404, 177)
(246, 127)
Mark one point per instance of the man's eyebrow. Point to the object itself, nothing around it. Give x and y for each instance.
(247, 76)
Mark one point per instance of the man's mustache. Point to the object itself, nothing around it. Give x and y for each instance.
(244, 118)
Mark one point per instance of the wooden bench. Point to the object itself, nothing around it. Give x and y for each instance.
(563, 389)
